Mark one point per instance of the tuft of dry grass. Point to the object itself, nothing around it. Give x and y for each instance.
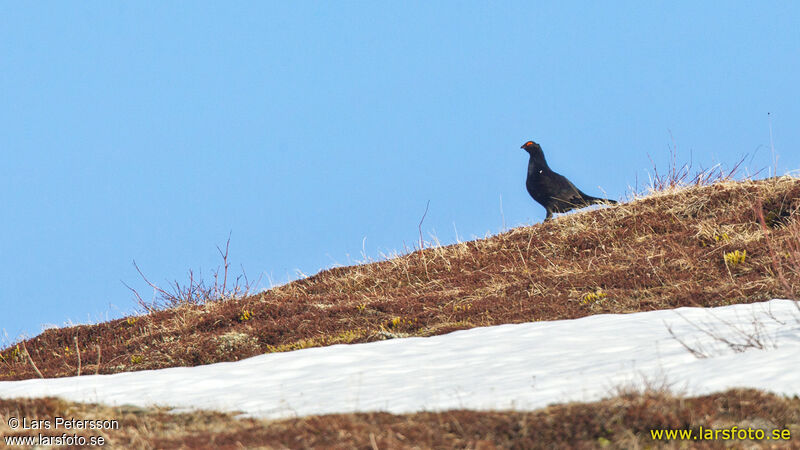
(662, 251)
(622, 421)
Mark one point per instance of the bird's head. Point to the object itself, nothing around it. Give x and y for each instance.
(537, 155)
(531, 146)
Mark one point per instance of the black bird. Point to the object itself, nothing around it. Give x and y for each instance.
(552, 190)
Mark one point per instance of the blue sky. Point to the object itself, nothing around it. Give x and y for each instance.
(313, 132)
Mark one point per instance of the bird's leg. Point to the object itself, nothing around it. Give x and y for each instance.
(549, 215)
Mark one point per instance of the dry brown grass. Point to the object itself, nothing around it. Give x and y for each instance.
(623, 421)
(662, 251)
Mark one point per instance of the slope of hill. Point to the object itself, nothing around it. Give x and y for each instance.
(725, 243)
(506, 367)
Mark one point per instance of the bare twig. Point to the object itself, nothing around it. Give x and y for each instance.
(30, 360)
(156, 288)
(197, 291)
(755, 338)
(772, 145)
(696, 350)
(373, 444)
(225, 262)
(97, 369)
(78, 352)
(147, 307)
(681, 176)
(419, 227)
(421, 242)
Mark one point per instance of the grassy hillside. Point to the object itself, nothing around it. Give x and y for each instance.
(676, 247)
(705, 245)
(621, 422)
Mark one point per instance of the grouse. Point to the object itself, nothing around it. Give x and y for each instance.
(552, 190)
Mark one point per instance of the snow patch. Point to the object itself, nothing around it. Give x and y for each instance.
(521, 367)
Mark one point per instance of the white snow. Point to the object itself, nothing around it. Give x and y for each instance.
(524, 366)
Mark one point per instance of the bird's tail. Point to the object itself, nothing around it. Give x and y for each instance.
(601, 200)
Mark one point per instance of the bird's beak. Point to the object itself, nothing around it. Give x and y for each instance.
(523, 146)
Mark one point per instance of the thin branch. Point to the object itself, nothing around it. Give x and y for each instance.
(164, 293)
(419, 227)
(198, 291)
(78, 351)
(139, 299)
(97, 369)
(225, 262)
(696, 351)
(30, 360)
